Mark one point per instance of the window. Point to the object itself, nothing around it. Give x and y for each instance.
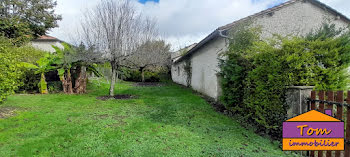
(178, 71)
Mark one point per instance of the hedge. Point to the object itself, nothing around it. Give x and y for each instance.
(127, 74)
(12, 68)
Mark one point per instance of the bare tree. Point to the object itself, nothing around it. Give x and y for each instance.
(115, 29)
(154, 53)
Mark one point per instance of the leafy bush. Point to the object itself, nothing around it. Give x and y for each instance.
(54, 86)
(135, 75)
(10, 69)
(152, 76)
(14, 74)
(15, 29)
(235, 68)
(29, 80)
(255, 74)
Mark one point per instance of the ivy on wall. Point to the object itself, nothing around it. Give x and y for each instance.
(188, 71)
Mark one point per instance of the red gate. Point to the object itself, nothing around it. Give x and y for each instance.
(321, 100)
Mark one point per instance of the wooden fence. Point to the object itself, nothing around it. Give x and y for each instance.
(321, 100)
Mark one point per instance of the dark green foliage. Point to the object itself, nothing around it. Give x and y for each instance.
(255, 74)
(188, 71)
(325, 32)
(10, 69)
(135, 75)
(13, 28)
(243, 38)
(264, 90)
(27, 18)
(233, 73)
(13, 67)
(54, 86)
(152, 76)
(235, 67)
(30, 82)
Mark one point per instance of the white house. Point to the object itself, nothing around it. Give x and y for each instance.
(46, 42)
(199, 67)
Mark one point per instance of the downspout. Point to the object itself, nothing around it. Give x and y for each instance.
(222, 35)
(220, 32)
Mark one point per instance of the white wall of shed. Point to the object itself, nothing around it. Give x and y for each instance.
(178, 73)
(205, 68)
(46, 45)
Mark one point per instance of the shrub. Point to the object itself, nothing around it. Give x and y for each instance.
(29, 80)
(14, 76)
(127, 74)
(255, 74)
(10, 72)
(54, 86)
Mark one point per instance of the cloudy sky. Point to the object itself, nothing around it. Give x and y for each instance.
(181, 22)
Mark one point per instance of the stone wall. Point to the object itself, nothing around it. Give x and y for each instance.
(296, 19)
(296, 99)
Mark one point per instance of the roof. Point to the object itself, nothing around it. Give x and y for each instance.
(46, 38)
(189, 47)
(176, 55)
(313, 116)
(218, 31)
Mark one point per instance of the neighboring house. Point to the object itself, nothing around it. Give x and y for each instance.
(295, 17)
(46, 42)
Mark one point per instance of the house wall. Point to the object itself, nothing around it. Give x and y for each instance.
(47, 45)
(178, 73)
(205, 68)
(299, 18)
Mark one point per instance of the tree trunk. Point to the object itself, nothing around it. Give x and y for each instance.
(69, 82)
(43, 84)
(78, 80)
(143, 75)
(81, 81)
(64, 83)
(142, 70)
(114, 71)
(66, 80)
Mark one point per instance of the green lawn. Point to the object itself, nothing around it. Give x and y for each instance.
(163, 121)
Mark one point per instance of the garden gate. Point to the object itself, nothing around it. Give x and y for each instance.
(321, 100)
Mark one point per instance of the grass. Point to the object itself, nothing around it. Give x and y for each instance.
(163, 121)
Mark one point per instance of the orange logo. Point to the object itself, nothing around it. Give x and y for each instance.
(313, 131)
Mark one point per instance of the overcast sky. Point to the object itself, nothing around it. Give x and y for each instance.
(181, 22)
